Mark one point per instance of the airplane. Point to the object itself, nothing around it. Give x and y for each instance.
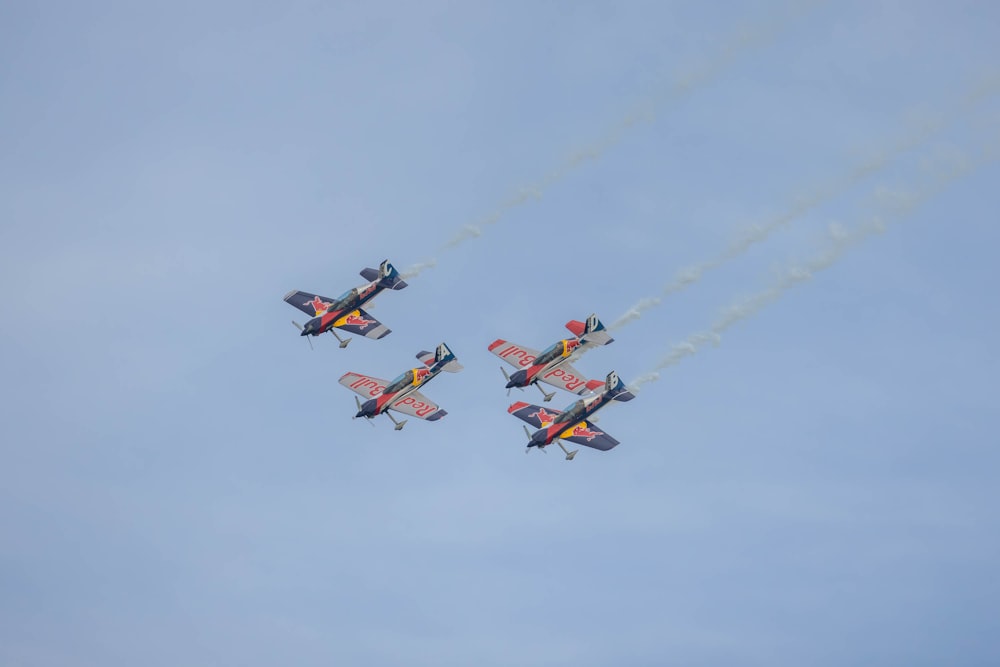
(573, 423)
(551, 365)
(401, 394)
(345, 311)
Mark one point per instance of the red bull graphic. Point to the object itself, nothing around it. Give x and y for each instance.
(571, 382)
(318, 305)
(516, 355)
(569, 345)
(367, 385)
(544, 416)
(420, 375)
(355, 319)
(420, 408)
(583, 431)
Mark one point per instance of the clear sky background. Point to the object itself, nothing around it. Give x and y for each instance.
(181, 482)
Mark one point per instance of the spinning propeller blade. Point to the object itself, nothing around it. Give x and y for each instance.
(308, 338)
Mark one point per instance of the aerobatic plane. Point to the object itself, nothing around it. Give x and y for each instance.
(401, 394)
(573, 423)
(345, 311)
(551, 365)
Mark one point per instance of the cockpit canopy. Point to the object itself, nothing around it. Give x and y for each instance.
(550, 353)
(401, 382)
(573, 413)
(344, 301)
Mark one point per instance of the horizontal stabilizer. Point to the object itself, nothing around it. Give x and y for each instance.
(624, 396)
(591, 332)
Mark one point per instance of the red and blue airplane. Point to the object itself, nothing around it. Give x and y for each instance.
(551, 365)
(401, 394)
(573, 423)
(345, 311)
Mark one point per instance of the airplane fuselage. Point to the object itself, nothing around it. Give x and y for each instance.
(342, 309)
(569, 418)
(379, 404)
(547, 361)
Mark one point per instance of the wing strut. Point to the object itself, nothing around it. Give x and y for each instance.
(399, 425)
(569, 454)
(343, 342)
(548, 396)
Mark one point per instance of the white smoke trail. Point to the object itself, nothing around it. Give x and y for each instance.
(744, 41)
(901, 206)
(919, 135)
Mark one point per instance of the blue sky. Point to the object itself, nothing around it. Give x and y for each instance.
(181, 481)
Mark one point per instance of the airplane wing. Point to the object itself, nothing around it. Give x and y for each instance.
(516, 355)
(417, 405)
(535, 415)
(310, 304)
(586, 434)
(564, 376)
(364, 385)
(361, 323)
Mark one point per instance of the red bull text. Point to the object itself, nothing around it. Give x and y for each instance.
(420, 408)
(364, 383)
(569, 381)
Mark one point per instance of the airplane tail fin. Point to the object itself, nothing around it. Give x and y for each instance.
(616, 388)
(388, 277)
(441, 355)
(591, 332)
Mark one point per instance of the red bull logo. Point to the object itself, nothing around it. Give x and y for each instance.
(544, 416)
(419, 375)
(583, 431)
(355, 319)
(318, 305)
(570, 345)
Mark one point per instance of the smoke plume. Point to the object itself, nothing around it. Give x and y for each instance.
(899, 206)
(743, 41)
(828, 191)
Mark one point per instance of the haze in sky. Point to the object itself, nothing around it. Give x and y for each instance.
(786, 210)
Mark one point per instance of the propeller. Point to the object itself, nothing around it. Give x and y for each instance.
(308, 338)
(358, 401)
(507, 377)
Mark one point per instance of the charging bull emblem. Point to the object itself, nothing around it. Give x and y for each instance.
(544, 416)
(318, 305)
(583, 431)
(354, 319)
